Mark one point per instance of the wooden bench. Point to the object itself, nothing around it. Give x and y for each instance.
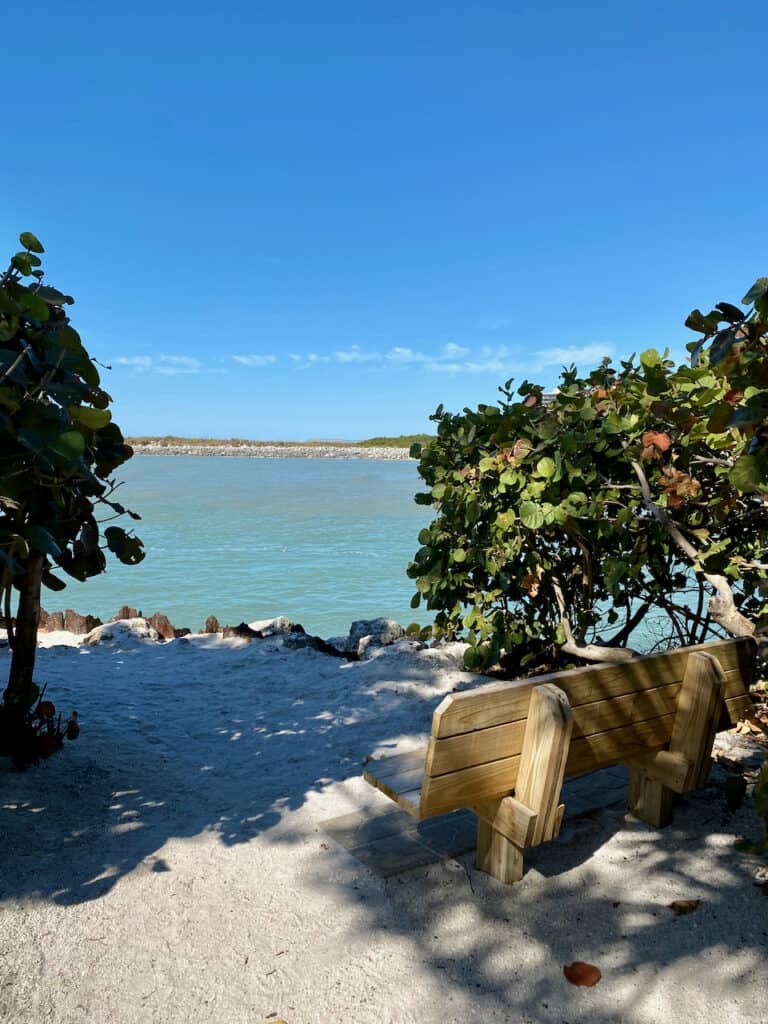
(504, 748)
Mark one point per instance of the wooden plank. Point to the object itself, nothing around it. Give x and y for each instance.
(410, 801)
(542, 762)
(497, 856)
(456, 752)
(471, 748)
(671, 770)
(508, 816)
(498, 778)
(617, 745)
(464, 788)
(650, 801)
(383, 767)
(399, 778)
(498, 703)
(559, 820)
(409, 798)
(738, 708)
(698, 712)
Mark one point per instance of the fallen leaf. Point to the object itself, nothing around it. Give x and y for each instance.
(684, 906)
(579, 973)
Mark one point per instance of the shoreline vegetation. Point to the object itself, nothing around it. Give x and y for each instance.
(372, 448)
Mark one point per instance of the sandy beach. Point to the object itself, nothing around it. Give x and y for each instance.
(172, 864)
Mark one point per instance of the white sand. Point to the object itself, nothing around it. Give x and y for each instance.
(168, 866)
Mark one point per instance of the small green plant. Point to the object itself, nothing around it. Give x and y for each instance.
(58, 448)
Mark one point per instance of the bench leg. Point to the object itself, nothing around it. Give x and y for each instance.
(698, 711)
(498, 856)
(535, 813)
(649, 801)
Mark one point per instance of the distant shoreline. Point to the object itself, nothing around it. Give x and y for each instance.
(281, 450)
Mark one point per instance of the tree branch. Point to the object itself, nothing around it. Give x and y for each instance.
(589, 652)
(722, 606)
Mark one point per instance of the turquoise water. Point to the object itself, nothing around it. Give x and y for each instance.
(324, 541)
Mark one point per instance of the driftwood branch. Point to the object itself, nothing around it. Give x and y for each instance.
(722, 606)
(589, 652)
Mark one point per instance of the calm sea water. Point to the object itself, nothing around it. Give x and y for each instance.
(322, 541)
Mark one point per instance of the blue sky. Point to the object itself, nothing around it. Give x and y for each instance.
(305, 220)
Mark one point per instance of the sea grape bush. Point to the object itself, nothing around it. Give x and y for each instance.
(641, 490)
(59, 448)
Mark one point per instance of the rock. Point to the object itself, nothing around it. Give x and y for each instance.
(381, 631)
(50, 621)
(367, 634)
(123, 631)
(79, 624)
(163, 625)
(212, 625)
(243, 631)
(296, 641)
(274, 627)
(178, 633)
(126, 613)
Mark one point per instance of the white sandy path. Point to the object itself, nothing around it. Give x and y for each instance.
(168, 867)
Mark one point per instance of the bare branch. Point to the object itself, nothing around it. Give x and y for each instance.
(722, 606)
(589, 652)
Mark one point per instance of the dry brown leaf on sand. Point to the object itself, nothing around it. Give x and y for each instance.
(579, 973)
(684, 906)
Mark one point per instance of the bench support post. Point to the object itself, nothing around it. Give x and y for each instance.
(535, 813)
(655, 778)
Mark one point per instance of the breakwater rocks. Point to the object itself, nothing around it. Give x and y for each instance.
(275, 451)
(365, 637)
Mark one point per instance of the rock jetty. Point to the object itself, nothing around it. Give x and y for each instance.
(275, 451)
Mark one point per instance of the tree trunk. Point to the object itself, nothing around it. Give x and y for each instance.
(18, 696)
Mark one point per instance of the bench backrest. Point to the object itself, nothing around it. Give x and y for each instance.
(618, 710)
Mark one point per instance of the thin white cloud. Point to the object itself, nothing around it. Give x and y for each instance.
(355, 354)
(256, 360)
(453, 351)
(168, 365)
(138, 362)
(501, 360)
(172, 365)
(582, 355)
(442, 367)
(401, 354)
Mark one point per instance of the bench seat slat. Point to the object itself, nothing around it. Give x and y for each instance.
(383, 767)
(399, 777)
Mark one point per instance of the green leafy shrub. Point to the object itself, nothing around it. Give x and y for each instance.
(565, 524)
(58, 449)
